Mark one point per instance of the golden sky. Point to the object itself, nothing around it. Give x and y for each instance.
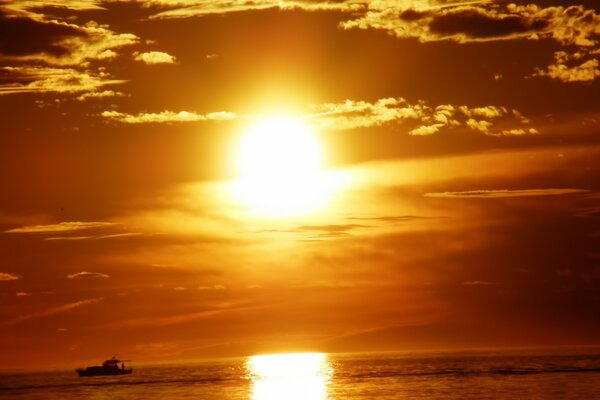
(191, 178)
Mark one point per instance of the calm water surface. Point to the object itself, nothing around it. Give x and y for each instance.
(573, 374)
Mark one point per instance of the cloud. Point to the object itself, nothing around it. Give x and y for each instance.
(481, 125)
(428, 20)
(214, 287)
(327, 231)
(62, 227)
(23, 37)
(155, 57)
(55, 55)
(167, 116)
(480, 283)
(585, 71)
(163, 265)
(313, 232)
(100, 95)
(38, 79)
(199, 8)
(519, 132)
(483, 21)
(22, 294)
(23, 7)
(178, 318)
(492, 194)
(86, 275)
(5, 276)
(485, 112)
(425, 130)
(425, 119)
(31, 36)
(96, 237)
(330, 228)
(48, 312)
(353, 114)
(393, 218)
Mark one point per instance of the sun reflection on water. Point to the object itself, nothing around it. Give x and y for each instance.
(289, 376)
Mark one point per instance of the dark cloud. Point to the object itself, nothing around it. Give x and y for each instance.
(20, 36)
(570, 25)
(412, 15)
(476, 23)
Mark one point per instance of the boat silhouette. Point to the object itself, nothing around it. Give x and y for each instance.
(108, 367)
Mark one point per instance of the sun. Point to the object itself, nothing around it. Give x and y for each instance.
(279, 162)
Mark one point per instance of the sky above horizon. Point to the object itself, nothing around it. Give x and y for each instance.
(187, 178)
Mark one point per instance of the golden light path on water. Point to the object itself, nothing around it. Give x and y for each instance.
(289, 376)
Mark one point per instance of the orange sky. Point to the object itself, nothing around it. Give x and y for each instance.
(451, 201)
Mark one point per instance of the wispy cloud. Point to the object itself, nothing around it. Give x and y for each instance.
(86, 275)
(167, 116)
(328, 231)
(26, 294)
(5, 276)
(393, 218)
(330, 228)
(177, 319)
(491, 194)
(96, 237)
(317, 232)
(214, 287)
(24, 7)
(422, 118)
(155, 57)
(62, 227)
(199, 8)
(48, 312)
(480, 283)
(39, 79)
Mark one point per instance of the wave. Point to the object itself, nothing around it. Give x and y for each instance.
(465, 372)
(173, 381)
(141, 380)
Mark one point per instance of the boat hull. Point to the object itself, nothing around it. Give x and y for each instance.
(101, 371)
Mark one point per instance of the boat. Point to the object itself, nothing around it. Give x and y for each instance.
(108, 367)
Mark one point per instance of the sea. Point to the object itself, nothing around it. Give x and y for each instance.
(536, 374)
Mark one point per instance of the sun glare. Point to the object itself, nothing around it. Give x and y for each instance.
(279, 164)
(289, 376)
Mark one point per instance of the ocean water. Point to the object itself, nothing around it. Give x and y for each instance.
(532, 374)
